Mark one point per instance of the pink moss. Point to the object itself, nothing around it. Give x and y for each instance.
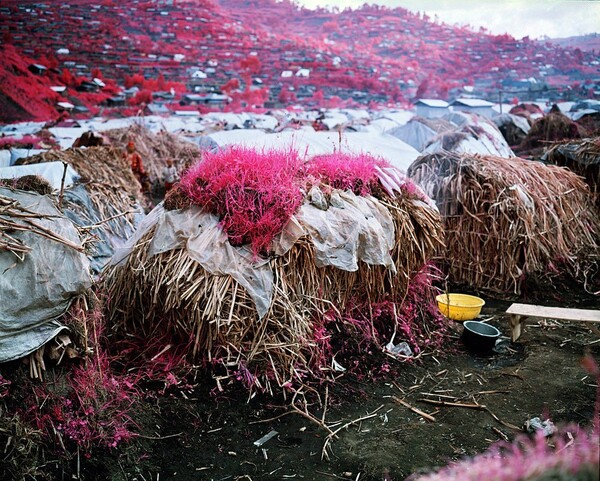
(253, 193)
(356, 172)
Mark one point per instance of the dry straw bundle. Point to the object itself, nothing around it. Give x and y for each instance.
(112, 187)
(553, 127)
(15, 217)
(506, 219)
(155, 148)
(170, 293)
(580, 156)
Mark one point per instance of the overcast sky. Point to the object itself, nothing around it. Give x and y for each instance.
(536, 18)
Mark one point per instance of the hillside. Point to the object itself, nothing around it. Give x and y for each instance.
(583, 42)
(258, 53)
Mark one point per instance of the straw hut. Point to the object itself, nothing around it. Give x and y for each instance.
(256, 258)
(507, 220)
(106, 194)
(552, 128)
(155, 148)
(580, 156)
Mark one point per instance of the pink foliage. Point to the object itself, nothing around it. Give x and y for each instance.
(572, 452)
(96, 411)
(356, 172)
(27, 141)
(4, 386)
(253, 193)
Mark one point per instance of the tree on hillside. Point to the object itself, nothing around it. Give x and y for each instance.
(422, 89)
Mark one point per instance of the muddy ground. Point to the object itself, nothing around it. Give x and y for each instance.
(200, 436)
(198, 433)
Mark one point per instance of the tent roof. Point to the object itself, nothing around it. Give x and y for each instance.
(432, 103)
(472, 103)
(396, 152)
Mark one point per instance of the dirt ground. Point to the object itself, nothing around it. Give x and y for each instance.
(197, 433)
(200, 436)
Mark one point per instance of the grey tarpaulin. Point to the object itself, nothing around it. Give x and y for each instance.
(35, 292)
(108, 234)
(355, 229)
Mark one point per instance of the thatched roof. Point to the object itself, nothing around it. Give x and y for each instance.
(155, 148)
(507, 219)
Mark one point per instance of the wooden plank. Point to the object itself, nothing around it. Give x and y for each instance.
(562, 313)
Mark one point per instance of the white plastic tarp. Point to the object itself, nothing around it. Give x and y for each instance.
(5, 158)
(415, 133)
(397, 153)
(481, 136)
(51, 171)
(16, 154)
(36, 291)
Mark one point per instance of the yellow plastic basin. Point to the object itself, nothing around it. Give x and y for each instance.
(459, 307)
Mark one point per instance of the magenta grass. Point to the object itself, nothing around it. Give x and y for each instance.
(254, 193)
(573, 454)
(355, 172)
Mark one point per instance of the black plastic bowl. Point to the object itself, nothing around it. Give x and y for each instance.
(479, 336)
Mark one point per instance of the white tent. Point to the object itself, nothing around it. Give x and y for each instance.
(311, 143)
(414, 133)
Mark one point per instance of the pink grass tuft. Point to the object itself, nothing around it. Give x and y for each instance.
(573, 455)
(355, 172)
(254, 193)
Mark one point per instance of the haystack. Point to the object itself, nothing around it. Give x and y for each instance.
(113, 189)
(553, 127)
(205, 273)
(44, 270)
(155, 148)
(582, 157)
(508, 219)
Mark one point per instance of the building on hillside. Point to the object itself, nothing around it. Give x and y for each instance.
(474, 106)
(214, 99)
(37, 69)
(431, 108)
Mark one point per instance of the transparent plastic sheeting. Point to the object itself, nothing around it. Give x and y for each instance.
(351, 229)
(35, 292)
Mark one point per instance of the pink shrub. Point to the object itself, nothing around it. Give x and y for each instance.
(27, 141)
(572, 455)
(253, 193)
(356, 172)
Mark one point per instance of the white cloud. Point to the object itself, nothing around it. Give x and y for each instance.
(535, 18)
